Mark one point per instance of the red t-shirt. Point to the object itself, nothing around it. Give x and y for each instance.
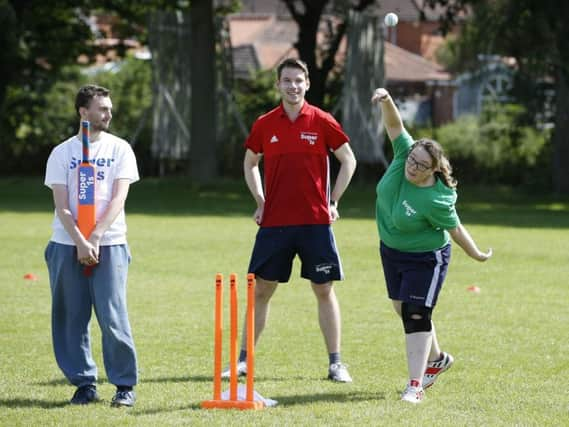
(296, 165)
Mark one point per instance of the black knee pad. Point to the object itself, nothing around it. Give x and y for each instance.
(416, 318)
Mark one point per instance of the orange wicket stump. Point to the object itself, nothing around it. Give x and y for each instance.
(233, 402)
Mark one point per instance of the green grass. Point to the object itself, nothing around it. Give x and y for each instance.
(509, 341)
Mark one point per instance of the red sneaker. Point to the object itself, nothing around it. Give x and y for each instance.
(434, 369)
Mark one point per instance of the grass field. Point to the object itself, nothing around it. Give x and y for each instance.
(509, 342)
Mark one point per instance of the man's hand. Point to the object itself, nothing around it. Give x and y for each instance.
(334, 213)
(87, 254)
(258, 215)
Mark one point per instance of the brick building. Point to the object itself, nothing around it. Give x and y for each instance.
(263, 33)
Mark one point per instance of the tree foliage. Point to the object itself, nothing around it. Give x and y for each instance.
(496, 147)
(41, 44)
(204, 151)
(40, 38)
(535, 34)
(320, 56)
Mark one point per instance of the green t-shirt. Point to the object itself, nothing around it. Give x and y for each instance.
(411, 218)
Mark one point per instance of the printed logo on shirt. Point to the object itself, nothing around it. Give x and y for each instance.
(274, 139)
(408, 209)
(311, 137)
(324, 268)
(98, 163)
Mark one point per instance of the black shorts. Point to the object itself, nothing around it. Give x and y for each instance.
(276, 247)
(415, 277)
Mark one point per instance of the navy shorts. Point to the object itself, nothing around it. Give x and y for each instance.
(415, 277)
(276, 247)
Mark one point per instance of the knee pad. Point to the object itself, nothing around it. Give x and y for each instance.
(416, 318)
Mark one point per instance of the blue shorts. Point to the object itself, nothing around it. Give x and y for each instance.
(415, 277)
(276, 247)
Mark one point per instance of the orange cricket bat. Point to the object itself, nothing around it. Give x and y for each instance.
(86, 190)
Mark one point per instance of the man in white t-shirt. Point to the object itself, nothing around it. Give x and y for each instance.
(75, 294)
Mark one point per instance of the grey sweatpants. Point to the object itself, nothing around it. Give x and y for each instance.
(74, 295)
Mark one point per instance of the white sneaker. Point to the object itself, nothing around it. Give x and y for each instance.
(339, 372)
(241, 370)
(413, 393)
(434, 369)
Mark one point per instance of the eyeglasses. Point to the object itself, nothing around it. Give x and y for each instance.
(418, 165)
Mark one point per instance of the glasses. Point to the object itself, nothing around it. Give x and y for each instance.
(418, 165)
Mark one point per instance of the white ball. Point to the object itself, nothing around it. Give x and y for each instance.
(391, 19)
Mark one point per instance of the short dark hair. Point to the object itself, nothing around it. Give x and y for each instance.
(87, 93)
(292, 63)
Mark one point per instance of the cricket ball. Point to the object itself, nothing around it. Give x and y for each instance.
(391, 19)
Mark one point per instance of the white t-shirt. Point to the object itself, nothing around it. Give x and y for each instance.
(113, 159)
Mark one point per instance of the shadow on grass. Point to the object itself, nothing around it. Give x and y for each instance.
(209, 379)
(31, 403)
(195, 378)
(345, 397)
(59, 381)
(161, 410)
(514, 216)
(179, 197)
(288, 400)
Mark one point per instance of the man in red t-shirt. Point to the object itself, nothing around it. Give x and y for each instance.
(297, 204)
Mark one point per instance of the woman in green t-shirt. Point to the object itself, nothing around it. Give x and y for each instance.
(416, 218)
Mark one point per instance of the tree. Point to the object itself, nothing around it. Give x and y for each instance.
(535, 34)
(9, 43)
(40, 40)
(204, 159)
(321, 57)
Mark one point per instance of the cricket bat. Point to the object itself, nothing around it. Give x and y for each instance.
(86, 214)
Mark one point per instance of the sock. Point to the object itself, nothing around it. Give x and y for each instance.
(334, 358)
(414, 383)
(243, 356)
(124, 388)
(438, 359)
